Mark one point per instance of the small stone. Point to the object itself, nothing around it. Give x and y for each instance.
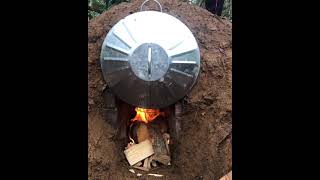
(154, 164)
(212, 27)
(139, 174)
(104, 87)
(131, 170)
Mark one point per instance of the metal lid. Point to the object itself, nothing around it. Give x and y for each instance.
(150, 59)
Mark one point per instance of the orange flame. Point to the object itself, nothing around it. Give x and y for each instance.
(146, 115)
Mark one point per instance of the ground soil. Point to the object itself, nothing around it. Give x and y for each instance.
(204, 148)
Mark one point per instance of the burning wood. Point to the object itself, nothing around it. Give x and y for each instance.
(153, 136)
(159, 144)
(142, 132)
(146, 115)
(164, 159)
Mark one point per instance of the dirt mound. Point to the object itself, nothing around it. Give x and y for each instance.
(204, 150)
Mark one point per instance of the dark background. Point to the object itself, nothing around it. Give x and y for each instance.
(44, 67)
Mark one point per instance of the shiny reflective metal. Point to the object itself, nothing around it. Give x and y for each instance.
(141, 8)
(150, 59)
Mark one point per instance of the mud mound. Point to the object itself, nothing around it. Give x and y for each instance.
(204, 150)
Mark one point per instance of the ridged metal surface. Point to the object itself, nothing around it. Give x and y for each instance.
(150, 59)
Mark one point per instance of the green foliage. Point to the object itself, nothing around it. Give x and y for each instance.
(96, 7)
(227, 9)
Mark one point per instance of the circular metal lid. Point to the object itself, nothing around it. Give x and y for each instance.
(150, 59)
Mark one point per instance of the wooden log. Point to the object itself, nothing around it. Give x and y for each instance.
(145, 163)
(138, 152)
(142, 132)
(162, 158)
(155, 175)
(139, 131)
(149, 162)
(166, 138)
(141, 168)
(157, 135)
(159, 145)
(138, 163)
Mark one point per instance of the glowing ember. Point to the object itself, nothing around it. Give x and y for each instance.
(146, 115)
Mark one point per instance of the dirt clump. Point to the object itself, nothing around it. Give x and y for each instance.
(204, 148)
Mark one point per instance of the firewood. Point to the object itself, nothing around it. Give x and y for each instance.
(166, 138)
(138, 163)
(141, 168)
(159, 140)
(142, 132)
(138, 152)
(156, 175)
(145, 163)
(162, 158)
(159, 145)
(139, 131)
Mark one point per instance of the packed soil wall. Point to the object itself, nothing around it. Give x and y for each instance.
(204, 148)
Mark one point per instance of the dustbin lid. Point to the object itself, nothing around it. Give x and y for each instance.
(150, 59)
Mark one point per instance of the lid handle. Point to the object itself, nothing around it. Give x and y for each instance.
(141, 8)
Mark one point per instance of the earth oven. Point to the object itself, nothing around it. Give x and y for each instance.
(150, 61)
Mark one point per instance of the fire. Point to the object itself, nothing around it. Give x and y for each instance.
(146, 115)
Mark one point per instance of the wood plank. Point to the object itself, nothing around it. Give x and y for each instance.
(139, 152)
